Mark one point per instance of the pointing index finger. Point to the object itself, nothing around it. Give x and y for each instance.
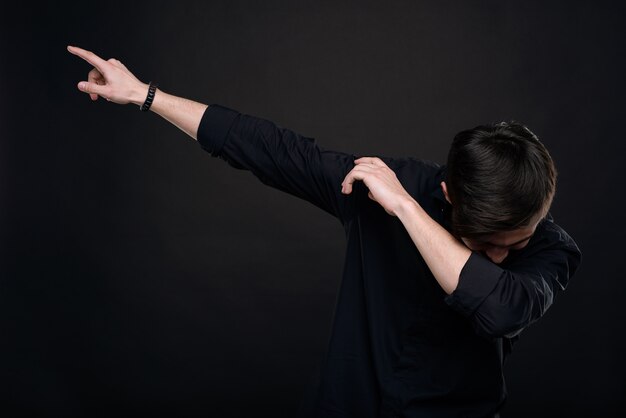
(88, 56)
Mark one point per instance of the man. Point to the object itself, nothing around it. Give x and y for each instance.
(445, 266)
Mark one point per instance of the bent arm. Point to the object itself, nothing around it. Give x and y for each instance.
(502, 301)
(499, 301)
(444, 254)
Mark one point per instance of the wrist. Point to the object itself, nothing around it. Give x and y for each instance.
(408, 208)
(139, 94)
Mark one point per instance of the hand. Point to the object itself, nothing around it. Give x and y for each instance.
(110, 79)
(384, 187)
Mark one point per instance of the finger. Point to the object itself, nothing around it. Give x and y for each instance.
(89, 56)
(346, 184)
(365, 168)
(354, 175)
(361, 171)
(96, 77)
(371, 196)
(369, 167)
(371, 160)
(93, 88)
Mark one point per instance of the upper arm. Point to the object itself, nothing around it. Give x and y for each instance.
(278, 157)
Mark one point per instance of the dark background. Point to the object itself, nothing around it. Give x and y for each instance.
(137, 273)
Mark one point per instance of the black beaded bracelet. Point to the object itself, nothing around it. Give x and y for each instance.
(151, 90)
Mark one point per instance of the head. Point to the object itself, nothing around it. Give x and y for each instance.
(500, 181)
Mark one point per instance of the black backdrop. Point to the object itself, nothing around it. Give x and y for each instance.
(140, 274)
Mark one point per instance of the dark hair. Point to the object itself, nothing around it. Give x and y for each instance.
(498, 177)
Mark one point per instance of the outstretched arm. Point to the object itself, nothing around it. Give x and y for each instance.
(279, 157)
(114, 82)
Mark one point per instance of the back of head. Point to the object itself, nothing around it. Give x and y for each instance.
(499, 178)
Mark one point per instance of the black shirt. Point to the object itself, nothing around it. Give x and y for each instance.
(399, 345)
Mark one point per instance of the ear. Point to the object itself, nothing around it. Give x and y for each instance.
(445, 191)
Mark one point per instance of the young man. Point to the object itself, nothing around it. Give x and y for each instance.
(445, 265)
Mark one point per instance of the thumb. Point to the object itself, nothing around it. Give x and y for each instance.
(94, 89)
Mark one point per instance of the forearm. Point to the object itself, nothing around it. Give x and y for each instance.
(444, 254)
(185, 114)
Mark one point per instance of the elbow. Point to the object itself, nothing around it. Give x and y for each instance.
(499, 327)
(507, 317)
(493, 324)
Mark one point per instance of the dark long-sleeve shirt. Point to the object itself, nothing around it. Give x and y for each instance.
(399, 345)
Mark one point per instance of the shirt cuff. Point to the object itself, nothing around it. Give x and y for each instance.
(214, 127)
(477, 280)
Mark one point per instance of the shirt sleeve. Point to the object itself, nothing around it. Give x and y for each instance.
(502, 301)
(278, 157)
